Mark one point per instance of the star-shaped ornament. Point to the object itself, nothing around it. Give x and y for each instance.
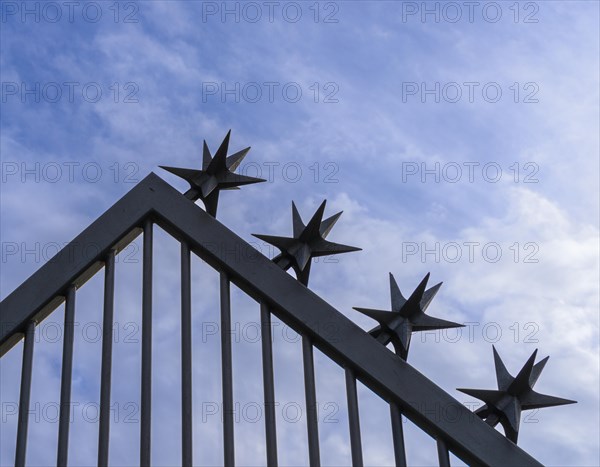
(217, 174)
(407, 316)
(308, 242)
(513, 395)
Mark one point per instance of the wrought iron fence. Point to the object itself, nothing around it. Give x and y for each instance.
(153, 201)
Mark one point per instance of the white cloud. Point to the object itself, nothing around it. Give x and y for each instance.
(368, 135)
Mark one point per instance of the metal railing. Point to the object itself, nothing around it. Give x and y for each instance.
(153, 201)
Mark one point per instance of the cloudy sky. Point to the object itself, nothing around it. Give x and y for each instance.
(459, 139)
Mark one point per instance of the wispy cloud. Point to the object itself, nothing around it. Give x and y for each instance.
(395, 124)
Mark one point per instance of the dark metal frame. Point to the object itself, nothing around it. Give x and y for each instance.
(322, 326)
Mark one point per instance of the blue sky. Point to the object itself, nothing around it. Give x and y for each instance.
(397, 105)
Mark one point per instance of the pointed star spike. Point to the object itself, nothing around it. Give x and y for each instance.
(536, 371)
(535, 400)
(312, 229)
(328, 224)
(215, 175)
(219, 162)
(208, 186)
(206, 156)
(326, 248)
(489, 396)
(231, 180)
(297, 223)
(512, 414)
(503, 377)
(401, 346)
(509, 432)
(283, 243)
(402, 336)
(425, 322)
(186, 174)
(302, 256)
(417, 295)
(232, 162)
(381, 316)
(211, 203)
(428, 296)
(521, 382)
(398, 299)
(303, 276)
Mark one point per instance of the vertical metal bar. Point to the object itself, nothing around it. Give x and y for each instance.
(186, 358)
(311, 402)
(226, 369)
(25, 393)
(106, 371)
(65, 382)
(268, 383)
(355, 442)
(398, 435)
(443, 454)
(146, 384)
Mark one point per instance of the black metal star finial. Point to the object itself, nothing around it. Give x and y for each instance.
(308, 242)
(406, 317)
(513, 395)
(217, 174)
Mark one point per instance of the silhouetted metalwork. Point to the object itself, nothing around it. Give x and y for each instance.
(227, 370)
(268, 384)
(514, 395)
(217, 174)
(307, 243)
(154, 202)
(398, 435)
(146, 376)
(310, 395)
(24, 393)
(106, 371)
(353, 418)
(406, 317)
(65, 380)
(396, 326)
(186, 358)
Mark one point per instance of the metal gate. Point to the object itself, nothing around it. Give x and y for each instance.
(153, 201)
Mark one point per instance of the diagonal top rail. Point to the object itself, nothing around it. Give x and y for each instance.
(422, 401)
